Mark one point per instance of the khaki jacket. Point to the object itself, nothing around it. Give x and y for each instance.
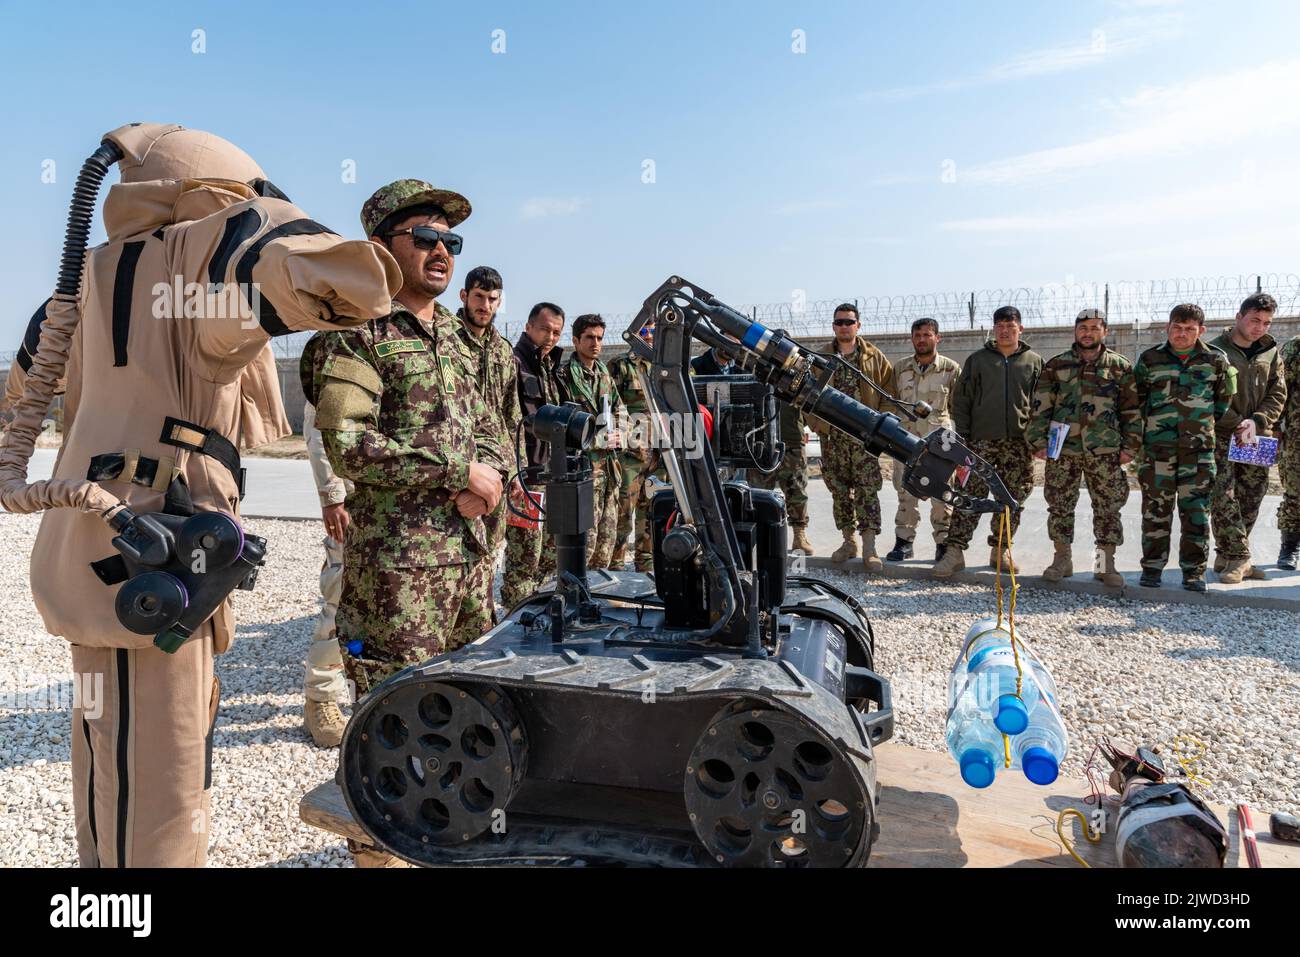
(872, 363)
(931, 383)
(150, 344)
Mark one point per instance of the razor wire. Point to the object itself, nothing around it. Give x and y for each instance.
(1137, 303)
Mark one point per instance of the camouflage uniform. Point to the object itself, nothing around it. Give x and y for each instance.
(850, 472)
(931, 383)
(633, 500)
(1097, 398)
(590, 389)
(792, 474)
(1239, 487)
(1179, 403)
(401, 416)
(496, 374)
(1288, 465)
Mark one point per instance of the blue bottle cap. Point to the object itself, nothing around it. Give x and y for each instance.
(977, 767)
(354, 646)
(1040, 765)
(1012, 716)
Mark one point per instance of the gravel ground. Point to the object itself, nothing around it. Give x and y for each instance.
(1133, 670)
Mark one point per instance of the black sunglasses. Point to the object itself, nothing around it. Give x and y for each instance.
(426, 237)
(844, 322)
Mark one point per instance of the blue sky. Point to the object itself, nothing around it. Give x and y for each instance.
(910, 148)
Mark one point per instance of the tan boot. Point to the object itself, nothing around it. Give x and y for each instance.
(1220, 563)
(619, 558)
(1235, 571)
(869, 556)
(799, 541)
(848, 550)
(325, 722)
(1008, 566)
(1107, 575)
(1062, 563)
(953, 561)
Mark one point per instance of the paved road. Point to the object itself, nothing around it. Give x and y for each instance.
(283, 488)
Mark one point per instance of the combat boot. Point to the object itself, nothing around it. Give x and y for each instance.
(1008, 565)
(848, 550)
(901, 551)
(1108, 575)
(869, 556)
(1235, 571)
(1151, 578)
(1220, 563)
(1286, 558)
(324, 721)
(953, 561)
(1194, 582)
(799, 540)
(619, 558)
(1062, 563)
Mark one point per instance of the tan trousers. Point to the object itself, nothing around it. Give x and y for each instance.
(324, 680)
(142, 754)
(909, 513)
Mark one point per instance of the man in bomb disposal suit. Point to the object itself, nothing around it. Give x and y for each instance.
(164, 340)
(399, 410)
(1087, 392)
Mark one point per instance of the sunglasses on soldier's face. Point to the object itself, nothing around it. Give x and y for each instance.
(426, 237)
(844, 322)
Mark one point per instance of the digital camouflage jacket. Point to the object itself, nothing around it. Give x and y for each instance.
(400, 413)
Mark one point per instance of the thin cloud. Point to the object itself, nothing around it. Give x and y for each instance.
(1111, 40)
(1214, 202)
(550, 207)
(1168, 120)
(799, 207)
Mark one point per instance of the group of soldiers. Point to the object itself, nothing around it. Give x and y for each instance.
(1087, 413)
(414, 426)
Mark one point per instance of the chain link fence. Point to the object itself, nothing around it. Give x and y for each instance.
(1136, 303)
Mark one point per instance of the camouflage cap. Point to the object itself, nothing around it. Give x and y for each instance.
(405, 193)
(1091, 314)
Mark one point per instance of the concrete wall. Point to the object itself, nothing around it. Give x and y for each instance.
(958, 344)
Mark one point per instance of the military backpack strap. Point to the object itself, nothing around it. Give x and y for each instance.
(209, 442)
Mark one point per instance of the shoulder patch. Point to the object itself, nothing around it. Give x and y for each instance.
(353, 370)
(396, 346)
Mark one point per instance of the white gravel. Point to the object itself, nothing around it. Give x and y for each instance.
(1133, 670)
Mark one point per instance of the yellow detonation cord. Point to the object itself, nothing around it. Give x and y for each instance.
(1087, 832)
(1004, 534)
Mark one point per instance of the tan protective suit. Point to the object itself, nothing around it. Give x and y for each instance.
(138, 348)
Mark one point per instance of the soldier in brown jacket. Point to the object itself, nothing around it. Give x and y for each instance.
(850, 472)
(164, 344)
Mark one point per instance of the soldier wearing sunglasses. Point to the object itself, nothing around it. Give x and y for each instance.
(400, 413)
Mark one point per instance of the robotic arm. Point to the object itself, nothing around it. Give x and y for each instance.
(681, 310)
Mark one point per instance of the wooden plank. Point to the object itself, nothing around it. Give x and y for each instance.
(930, 818)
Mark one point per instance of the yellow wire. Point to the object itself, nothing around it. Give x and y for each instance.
(1087, 832)
(1191, 763)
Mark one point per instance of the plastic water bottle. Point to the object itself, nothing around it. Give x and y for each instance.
(974, 743)
(991, 672)
(1041, 747)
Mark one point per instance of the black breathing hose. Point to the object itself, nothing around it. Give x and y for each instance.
(80, 214)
